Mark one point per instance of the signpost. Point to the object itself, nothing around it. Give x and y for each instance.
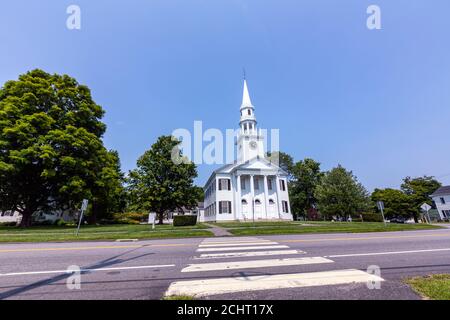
(83, 209)
(380, 205)
(151, 219)
(426, 207)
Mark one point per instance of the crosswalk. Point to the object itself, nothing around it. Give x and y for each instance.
(264, 254)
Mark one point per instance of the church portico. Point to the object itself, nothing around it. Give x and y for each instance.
(252, 188)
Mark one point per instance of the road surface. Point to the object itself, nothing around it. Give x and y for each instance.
(315, 266)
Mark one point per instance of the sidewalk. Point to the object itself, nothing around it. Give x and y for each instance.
(218, 231)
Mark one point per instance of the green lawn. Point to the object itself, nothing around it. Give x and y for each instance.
(436, 287)
(107, 232)
(264, 228)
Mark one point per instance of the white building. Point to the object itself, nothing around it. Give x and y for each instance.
(442, 199)
(252, 187)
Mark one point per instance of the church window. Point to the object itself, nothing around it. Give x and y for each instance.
(256, 183)
(249, 112)
(269, 184)
(257, 201)
(285, 206)
(243, 184)
(244, 201)
(224, 206)
(271, 201)
(224, 184)
(282, 185)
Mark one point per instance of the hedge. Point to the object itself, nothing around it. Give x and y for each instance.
(179, 221)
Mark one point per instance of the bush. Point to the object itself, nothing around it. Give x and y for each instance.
(130, 217)
(8, 224)
(372, 217)
(179, 221)
(60, 223)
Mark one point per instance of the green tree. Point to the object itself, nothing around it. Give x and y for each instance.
(306, 176)
(51, 151)
(339, 193)
(419, 191)
(283, 160)
(163, 180)
(396, 203)
(109, 195)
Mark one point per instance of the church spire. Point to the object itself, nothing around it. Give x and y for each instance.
(246, 102)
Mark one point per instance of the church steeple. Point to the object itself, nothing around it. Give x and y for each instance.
(250, 141)
(248, 119)
(246, 96)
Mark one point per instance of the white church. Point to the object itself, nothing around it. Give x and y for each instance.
(252, 188)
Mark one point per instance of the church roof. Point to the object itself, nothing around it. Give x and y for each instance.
(256, 164)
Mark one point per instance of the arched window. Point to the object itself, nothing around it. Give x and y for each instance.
(249, 112)
(244, 201)
(257, 201)
(271, 201)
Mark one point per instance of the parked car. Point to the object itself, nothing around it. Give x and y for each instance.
(398, 220)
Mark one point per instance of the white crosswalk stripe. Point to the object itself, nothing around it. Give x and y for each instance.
(237, 244)
(247, 247)
(248, 254)
(209, 287)
(254, 264)
(242, 248)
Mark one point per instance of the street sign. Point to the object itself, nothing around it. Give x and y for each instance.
(425, 207)
(84, 205)
(380, 205)
(152, 219)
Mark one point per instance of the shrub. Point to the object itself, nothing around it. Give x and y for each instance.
(179, 221)
(60, 223)
(8, 224)
(130, 217)
(372, 217)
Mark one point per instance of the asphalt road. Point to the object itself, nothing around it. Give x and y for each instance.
(316, 266)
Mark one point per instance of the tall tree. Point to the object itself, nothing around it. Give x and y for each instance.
(50, 143)
(109, 195)
(283, 160)
(163, 180)
(396, 202)
(339, 193)
(419, 191)
(306, 176)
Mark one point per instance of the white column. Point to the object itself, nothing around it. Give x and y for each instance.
(278, 197)
(238, 213)
(252, 193)
(266, 196)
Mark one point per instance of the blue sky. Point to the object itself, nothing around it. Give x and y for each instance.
(375, 101)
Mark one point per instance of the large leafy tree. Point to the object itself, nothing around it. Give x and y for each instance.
(163, 180)
(396, 202)
(306, 176)
(419, 191)
(51, 153)
(339, 193)
(109, 194)
(283, 160)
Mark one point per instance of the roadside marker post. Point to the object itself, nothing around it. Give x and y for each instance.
(151, 219)
(380, 205)
(83, 209)
(426, 207)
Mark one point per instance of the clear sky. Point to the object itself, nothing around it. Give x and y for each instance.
(375, 101)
